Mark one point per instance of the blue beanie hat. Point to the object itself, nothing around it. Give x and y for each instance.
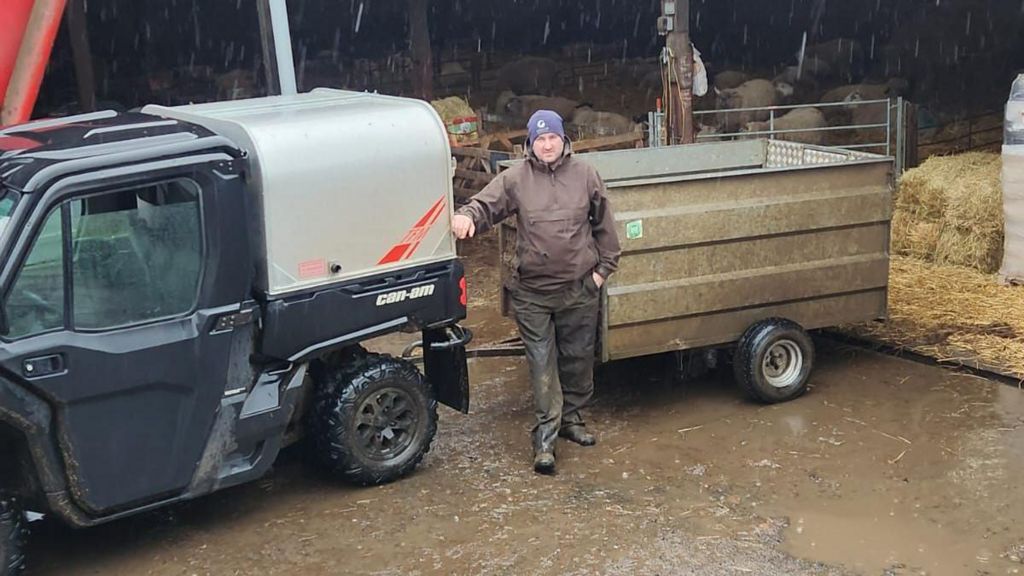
(544, 122)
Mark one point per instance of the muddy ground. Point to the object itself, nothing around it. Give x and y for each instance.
(885, 467)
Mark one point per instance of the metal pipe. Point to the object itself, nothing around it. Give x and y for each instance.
(901, 137)
(800, 130)
(277, 46)
(13, 21)
(33, 55)
(792, 106)
(888, 129)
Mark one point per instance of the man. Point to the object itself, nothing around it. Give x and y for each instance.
(566, 248)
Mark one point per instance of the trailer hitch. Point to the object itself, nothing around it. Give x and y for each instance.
(504, 348)
(459, 336)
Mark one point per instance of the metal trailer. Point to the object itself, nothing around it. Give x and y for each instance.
(755, 240)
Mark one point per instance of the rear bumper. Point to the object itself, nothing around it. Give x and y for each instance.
(304, 326)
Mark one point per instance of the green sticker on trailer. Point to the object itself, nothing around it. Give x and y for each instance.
(634, 230)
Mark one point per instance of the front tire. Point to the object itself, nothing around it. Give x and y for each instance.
(373, 419)
(12, 537)
(773, 360)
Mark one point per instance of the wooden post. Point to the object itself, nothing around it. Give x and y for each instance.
(681, 93)
(910, 137)
(419, 46)
(81, 55)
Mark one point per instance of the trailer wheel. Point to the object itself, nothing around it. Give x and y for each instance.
(773, 360)
(12, 537)
(373, 419)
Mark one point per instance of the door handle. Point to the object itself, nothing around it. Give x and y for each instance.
(43, 366)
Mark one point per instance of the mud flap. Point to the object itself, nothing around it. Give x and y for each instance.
(444, 361)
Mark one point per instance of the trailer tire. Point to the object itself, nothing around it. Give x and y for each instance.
(773, 360)
(373, 419)
(12, 537)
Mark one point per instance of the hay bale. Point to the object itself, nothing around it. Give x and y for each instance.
(459, 119)
(922, 239)
(949, 311)
(975, 199)
(949, 210)
(976, 249)
(451, 108)
(922, 189)
(900, 231)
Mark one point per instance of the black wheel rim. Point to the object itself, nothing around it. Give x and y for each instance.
(386, 423)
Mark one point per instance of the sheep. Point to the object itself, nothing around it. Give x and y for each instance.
(729, 79)
(859, 92)
(524, 106)
(602, 123)
(797, 119)
(757, 93)
(854, 92)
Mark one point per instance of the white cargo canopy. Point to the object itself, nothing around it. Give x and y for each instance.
(346, 184)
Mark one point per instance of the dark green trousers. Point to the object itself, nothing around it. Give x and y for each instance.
(558, 330)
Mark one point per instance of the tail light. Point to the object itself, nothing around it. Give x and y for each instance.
(463, 299)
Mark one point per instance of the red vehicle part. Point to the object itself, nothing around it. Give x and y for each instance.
(30, 27)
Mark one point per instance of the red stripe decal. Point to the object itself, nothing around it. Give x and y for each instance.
(393, 255)
(439, 212)
(437, 215)
(429, 213)
(405, 248)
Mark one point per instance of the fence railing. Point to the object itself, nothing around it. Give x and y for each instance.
(886, 133)
(974, 132)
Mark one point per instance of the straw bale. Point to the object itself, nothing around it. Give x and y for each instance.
(900, 226)
(451, 108)
(949, 210)
(455, 108)
(922, 239)
(952, 312)
(978, 249)
(922, 189)
(975, 199)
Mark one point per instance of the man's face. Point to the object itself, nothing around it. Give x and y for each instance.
(548, 147)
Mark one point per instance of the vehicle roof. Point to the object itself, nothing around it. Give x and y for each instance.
(95, 139)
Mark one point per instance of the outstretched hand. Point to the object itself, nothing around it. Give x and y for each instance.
(463, 227)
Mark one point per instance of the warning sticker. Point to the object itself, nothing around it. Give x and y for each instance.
(312, 269)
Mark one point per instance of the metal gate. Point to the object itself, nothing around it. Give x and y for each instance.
(886, 136)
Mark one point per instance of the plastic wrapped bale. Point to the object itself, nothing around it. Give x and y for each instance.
(1013, 133)
(459, 119)
(1012, 269)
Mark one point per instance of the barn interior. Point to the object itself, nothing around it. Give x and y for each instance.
(954, 57)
